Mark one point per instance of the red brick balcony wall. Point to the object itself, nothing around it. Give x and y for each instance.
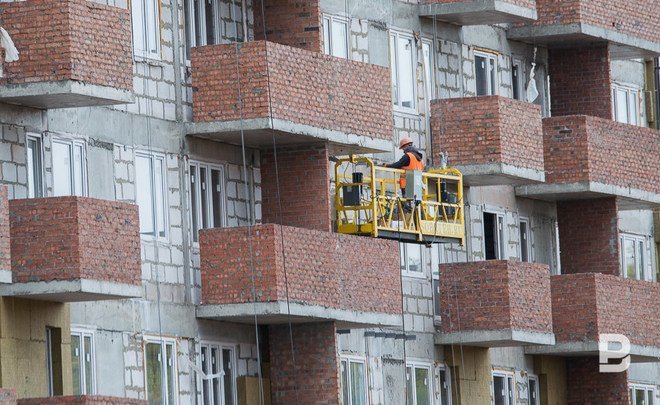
(304, 189)
(522, 3)
(69, 40)
(81, 400)
(5, 257)
(636, 17)
(7, 396)
(315, 378)
(581, 83)
(589, 236)
(326, 269)
(477, 130)
(304, 87)
(586, 305)
(69, 238)
(582, 148)
(586, 385)
(290, 22)
(495, 295)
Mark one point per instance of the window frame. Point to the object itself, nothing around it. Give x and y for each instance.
(328, 43)
(72, 144)
(403, 253)
(635, 386)
(432, 75)
(632, 92)
(153, 156)
(443, 368)
(163, 342)
(220, 346)
(492, 80)
(414, 365)
(528, 243)
(519, 80)
(83, 332)
(144, 28)
(510, 380)
(197, 211)
(38, 170)
(501, 233)
(395, 70)
(644, 271)
(353, 359)
(537, 391)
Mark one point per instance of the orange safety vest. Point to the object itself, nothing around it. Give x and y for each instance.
(413, 165)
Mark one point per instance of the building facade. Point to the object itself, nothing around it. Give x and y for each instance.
(167, 231)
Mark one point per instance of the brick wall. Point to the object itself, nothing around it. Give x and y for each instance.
(477, 130)
(581, 82)
(304, 188)
(93, 239)
(290, 22)
(589, 236)
(635, 17)
(495, 295)
(315, 379)
(585, 305)
(326, 269)
(586, 385)
(304, 87)
(59, 40)
(582, 148)
(7, 396)
(81, 400)
(5, 257)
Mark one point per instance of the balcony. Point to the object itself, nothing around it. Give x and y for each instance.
(5, 256)
(353, 280)
(589, 304)
(479, 12)
(492, 140)
(69, 249)
(495, 304)
(588, 157)
(303, 97)
(73, 53)
(632, 27)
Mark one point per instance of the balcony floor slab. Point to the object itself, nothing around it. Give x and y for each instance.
(71, 290)
(479, 13)
(63, 94)
(489, 174)
(638, 353)
(496, 338)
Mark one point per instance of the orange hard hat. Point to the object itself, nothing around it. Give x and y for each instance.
(405, 141)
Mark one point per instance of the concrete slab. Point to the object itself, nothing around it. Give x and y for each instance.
(278, 312)
(63, 94)
(494, 174)
(496, 338)
(5, 276)
(638, 353)
(479, 12)
(71, 290)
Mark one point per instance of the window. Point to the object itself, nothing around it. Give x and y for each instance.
(534, 390)
(418, 384)
(150, 195)
(402, 61)
(69, 177)
(525, 241)
(503, 386)
(146, 28)
(429, 70)
(218, 362)
(642, 394)
(494, 236)
(517, 82)
(411, 256)
(437, 309)
(207, 202)
(335, 36)
(625, 104)
(54, 361)
(34, 166)
(82, 362)
(485, 66)
(160, 358)
(633, 258)
(353, 381)
(445, 387)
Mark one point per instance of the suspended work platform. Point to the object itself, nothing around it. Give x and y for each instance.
(369, 201)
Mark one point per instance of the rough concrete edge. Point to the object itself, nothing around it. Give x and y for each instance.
(521, 14)
(81, 286)
(108, 95)
(228, 311)
(587, 186)
(591, 346)
(516, 174)
(485, 337)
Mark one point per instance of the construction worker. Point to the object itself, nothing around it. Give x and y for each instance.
(412, 159)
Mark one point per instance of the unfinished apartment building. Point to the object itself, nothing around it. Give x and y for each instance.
(168, 221)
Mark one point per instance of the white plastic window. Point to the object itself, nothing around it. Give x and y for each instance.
(353, 380)
(160, 364)
(485, 69)
(494, 236)
(207, 197)
(517, 80)
(643, 394)
(34, 166)
(412, 259)
(146, 28)
(503, 387)
(429, 69)
(82, 362)
(634, 263)
(625, 104)
(525, 240)
(335, 36)
(151, 191)
(218, 363)
(419, 383)
(534, 390)
(69, 174)
(402, 61)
